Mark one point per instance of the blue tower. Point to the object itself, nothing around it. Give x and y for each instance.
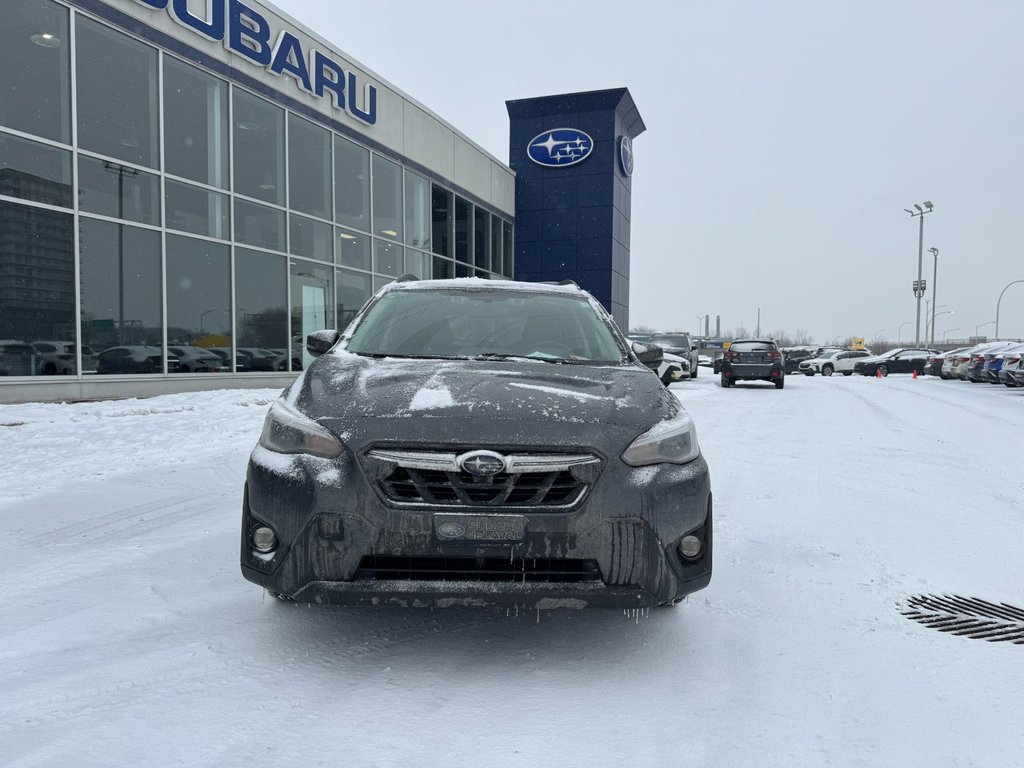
(573, 159)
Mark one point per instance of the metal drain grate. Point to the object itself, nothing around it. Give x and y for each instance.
(968, 616)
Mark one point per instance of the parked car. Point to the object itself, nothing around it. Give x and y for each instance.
(901, 360)
(1012, 372)
(134, 359)
(197, 360)
(794, 356)
(936, 364)
(478, 442)
(961, 363)
(257, 359)
(672, 367)
(705, 361)
(57, 358)
(977, 367)
(834, 361)
(753, 360)
(16, 358)
(678, 344)
(995, 362)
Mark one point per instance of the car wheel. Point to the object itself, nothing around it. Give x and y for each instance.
(826, 370)
(780, 382)
(50, 369)
(726, 382)
(183, 369)
(693, 373)
(808, 373)
(847, 373)
(884, 370)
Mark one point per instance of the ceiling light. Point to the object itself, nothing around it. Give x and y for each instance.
(247, 125)
(46, 40)
(389, 232)
(346, 236)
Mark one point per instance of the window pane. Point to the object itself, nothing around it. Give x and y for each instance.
(197, 210)
(497, 263)
(112, 189)
(312, 304)
(353, 250)
(261, 303)
(463, 224)
(351, 184)
(311, 238)
(417, 211)
(122, 322)
(354, 288)
(441, 221)
(259, 225)
(387, 198)
(417, 263)
(117, 94)
(35, 69)
(506, 246)
(34, 171)
(443, 268)
(481, 238)
(463, 270)
(380, 282)
(37, 285)
(309, 167)
(198, 292)
(387, 258)
(258, 148)
(195, 124)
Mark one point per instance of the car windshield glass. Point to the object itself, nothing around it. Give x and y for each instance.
(671, 340)
(482, 322)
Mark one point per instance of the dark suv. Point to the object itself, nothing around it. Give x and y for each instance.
(476, 442)
(753, 360)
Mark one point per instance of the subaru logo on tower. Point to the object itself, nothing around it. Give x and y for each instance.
(559, 147)
(626, 155)
(482, 463)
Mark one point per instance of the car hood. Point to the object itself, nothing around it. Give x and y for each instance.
(367, 400)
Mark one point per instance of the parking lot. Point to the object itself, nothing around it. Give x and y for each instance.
(130, 637)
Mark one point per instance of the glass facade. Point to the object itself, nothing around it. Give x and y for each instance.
(155, 216)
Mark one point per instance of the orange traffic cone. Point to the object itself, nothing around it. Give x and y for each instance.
(915, 375)
(878, 374)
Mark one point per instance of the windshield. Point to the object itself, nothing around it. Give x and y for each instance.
(671, 340)
(476, 322)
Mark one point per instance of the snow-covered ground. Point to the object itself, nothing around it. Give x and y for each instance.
(129, 637)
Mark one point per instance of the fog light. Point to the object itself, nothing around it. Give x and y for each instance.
(690, 547)
(264, 539)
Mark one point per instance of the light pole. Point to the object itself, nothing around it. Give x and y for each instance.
(899, 332)
(699, 321)
(919, 286)
(935, 280)
(1000, 301)
(946, 333)
(940, 314)
(982, 325)
(121, 171)
(878, 334)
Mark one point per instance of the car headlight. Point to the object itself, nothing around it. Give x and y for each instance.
(673, 441)
(285, 430)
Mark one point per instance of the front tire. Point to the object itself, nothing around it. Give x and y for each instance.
(847, 373)
(826, 370)
(726, 382)
(884, 370)
(780, 382)
(808, 373)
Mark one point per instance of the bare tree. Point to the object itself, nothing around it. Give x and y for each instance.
(641, 329)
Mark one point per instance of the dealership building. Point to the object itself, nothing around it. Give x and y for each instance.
(189, 187)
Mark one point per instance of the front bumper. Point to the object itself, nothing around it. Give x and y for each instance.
(330, 523)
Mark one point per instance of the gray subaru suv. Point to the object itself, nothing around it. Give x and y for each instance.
(478, 442)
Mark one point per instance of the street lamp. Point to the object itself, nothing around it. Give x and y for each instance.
(946, 333)
(899, 332)
(1000, 301)
(700, 320)
(935, 280)
(940, 314)
(919, 284)
(982, 325)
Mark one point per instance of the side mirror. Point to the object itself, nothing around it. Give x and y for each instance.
(650, 355)
(319, 342)
(693, 348)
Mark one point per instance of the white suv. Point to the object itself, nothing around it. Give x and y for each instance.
(834, 361)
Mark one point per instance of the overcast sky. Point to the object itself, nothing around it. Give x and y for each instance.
(783, 142)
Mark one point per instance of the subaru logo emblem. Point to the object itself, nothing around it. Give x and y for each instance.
(482, 463)
(451, 530)
(626, 155)
(559, 147)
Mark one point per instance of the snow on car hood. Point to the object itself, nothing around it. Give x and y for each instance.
(362, 398)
